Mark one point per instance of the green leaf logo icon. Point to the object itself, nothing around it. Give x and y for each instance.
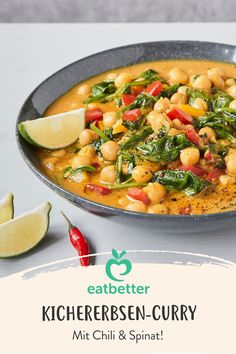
(118, 260)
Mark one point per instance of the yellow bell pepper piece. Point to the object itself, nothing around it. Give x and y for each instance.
(118, 127)
(100, 125)
(194, 112)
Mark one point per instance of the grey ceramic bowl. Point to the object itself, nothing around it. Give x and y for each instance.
(63, 80)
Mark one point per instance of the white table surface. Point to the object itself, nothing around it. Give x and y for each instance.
(30, 53)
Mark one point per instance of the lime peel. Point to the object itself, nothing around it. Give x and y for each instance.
(7, 208)
(54, 132)
(23, 233)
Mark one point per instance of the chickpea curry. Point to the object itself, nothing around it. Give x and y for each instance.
(160, 138)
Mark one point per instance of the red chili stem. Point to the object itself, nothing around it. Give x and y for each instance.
(68, 221)
(79, 242)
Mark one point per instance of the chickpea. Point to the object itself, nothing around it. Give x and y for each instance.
(155, 192)
(141, 174)
(123, 202)
(123, 78)
(232, 104)
(178, 98)
(183, 90)
(227, 180)
(178, 125)
(125, 168)
(110, 150)
(189, 156)
(109, 119)
(230, 82)
(162, 105)
(178, 76)
(84, 89)
(158, 120)
(230, 160)
(158, 209)
(111, 76)
(152, 166)
(88, 151)
(108, 174)
(174, 131)
(208, 132)
(50, 162)
(80, 176)
(59, 153)
(217, 81)
(94, 105)
(202, 82)
(152, 116)
(86, 137)
(79, 161)
(199, 103)
(217, 71)
(232, 91)
(138, 207)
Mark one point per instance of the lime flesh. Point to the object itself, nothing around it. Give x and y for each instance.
(54, 132)
(6, 208)
(23, 233)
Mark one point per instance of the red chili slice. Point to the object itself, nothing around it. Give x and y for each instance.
(93, 115)
(191, 134)
(198, 171)
(177, 113)
(214, 174)
(209, 156)
(98, 189)
(133, 115)
(186, 210)
(154, 88)
(138, 194)
(128, 99)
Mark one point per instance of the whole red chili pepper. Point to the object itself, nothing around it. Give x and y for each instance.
(79, 242)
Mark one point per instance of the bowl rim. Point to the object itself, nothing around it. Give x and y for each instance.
(106, 209)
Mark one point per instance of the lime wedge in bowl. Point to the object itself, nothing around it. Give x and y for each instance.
(23, 233)
(54, 132)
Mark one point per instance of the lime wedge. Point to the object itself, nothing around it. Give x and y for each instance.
(6, 208)
(21, 234)
(54, 132)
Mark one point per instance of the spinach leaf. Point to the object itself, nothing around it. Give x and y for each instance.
(223, 123)
(165, 149)
(211, 120)
(101, 90)
(230, 116)
(119, 168)
(105, 136)
(69, 171)
(195, 93)
(144, 100)
(223, 134)
(133, 125)
(151, 75)
(97, 145)
(135, 138)
(219, 100)
(184, 181)
(170, 91)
